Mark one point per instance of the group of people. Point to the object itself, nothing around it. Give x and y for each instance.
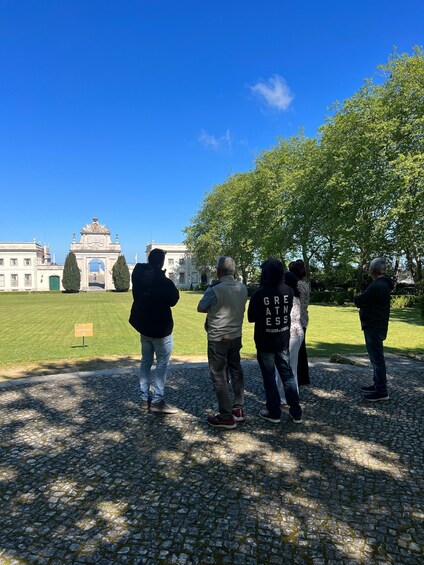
(279, 311)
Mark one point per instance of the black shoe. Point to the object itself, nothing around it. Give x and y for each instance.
(376, 396)
(296, 419)
(266, 416)
(368, 388)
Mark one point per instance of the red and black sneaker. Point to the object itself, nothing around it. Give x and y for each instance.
(218, 421)
(238, 414)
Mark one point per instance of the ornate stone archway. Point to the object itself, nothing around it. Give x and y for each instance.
(95, 243)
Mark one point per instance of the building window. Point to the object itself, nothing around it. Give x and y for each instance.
(27, 262)
(182, 261)
(1, 281)
(1, 262)
(13, 280)
(181, 278)
(171, 262)
(194, 278)
(28, 279)
(13, 262)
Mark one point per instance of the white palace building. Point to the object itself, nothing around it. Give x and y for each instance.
(28, 267)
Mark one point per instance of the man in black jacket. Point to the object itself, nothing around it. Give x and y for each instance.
(269, 309)
(154, 295)
(374, 312)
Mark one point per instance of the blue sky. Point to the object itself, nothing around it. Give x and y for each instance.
(132, 110)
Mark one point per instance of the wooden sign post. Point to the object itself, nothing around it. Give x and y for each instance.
(83, 330)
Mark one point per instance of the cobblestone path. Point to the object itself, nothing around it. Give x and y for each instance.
(86, 477)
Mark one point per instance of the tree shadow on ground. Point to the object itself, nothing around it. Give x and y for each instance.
(325, 349)
(69, 366)
(87, 476)
(408, 316)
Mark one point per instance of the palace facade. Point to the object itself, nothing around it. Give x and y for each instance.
(27, 267)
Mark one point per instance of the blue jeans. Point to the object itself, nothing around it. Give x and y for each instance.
(162, 347)
(374, 341)
(267, 363)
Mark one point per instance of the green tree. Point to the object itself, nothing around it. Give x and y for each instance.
(402, 95)
(121, 275)
(222, 227)
(355, 192)
(71, 279)
(290, 205)
(373, 146)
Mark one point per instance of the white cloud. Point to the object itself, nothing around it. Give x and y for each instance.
(274, 92)
(215, 143)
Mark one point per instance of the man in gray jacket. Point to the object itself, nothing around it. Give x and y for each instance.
(225, 302)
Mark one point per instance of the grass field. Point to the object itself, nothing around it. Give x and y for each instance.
(39, 328)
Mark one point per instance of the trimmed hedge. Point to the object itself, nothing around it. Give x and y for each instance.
(340, 297)
(329, 297)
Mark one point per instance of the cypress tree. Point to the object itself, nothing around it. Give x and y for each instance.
(71, 280)
(121, 275)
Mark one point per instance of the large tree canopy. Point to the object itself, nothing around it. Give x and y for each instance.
(354, 192)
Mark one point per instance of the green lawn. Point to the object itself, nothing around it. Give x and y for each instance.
(38, 328)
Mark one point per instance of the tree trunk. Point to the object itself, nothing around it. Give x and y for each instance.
(364, 258)
(396, 271)
(410, 263)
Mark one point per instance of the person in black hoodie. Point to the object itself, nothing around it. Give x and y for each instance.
(154, 295)
(374, 312)
(269, 309)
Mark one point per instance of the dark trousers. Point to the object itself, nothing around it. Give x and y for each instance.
(374, 342)
(302, 364)
(267, 363)
(223, 355)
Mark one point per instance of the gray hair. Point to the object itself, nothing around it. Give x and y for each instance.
(226, 265)
(378, 266)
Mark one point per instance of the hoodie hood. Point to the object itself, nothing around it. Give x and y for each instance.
(146, 275)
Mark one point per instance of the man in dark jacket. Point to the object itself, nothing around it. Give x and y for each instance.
(154, 295)
(269, 309)
(374, 312)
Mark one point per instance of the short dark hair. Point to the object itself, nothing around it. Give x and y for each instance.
(298, 268)
(156, 257)
(291, 280)
(272, 272)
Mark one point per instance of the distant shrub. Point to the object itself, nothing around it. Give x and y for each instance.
(404, 301)
(402, 288)
(351, 292)
(329, 297)
(340, 297)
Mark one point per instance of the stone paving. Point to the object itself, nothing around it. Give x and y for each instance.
(86, 477)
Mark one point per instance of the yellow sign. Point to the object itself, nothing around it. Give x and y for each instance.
(83, 330)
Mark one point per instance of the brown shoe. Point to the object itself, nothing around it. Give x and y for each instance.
(144, 405)
(163, 407)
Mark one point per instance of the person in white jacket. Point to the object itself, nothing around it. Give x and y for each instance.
(296, 334)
